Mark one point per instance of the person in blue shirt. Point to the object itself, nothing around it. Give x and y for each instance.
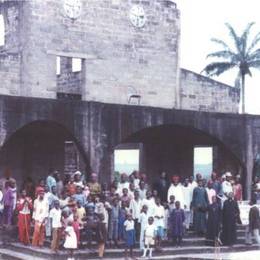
(80, 196)
(51, 181)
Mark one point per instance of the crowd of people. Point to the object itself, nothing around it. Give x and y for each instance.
(74, 212)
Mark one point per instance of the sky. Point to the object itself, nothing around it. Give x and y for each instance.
(202, 20)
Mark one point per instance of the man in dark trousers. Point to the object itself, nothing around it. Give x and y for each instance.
(162, 185)
(254, 221)
(229, 220)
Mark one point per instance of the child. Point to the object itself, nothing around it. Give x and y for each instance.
(177, 220)
(129, 235)
(76, 227)
(55, 216)
(172, 203)
(101, 235)
(81, 213)
(159, 221)
(149, 237)
(125, 197)
(143, 220)
(91, 224)
(121, 219)
(70, 240)
(113, 222)
(166, 220)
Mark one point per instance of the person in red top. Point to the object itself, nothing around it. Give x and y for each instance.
(24, 206)
(71, 186)
(238, 190)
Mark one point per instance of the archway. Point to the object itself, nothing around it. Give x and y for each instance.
(170, 148)
(40, 146)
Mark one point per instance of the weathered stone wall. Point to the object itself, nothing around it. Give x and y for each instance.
(204, 94)
(10, 57)
(120, 59)
(10, 74)
(68, 81)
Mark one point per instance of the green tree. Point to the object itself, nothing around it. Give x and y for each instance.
(243, 55)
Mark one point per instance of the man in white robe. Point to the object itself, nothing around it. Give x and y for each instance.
(176, 190)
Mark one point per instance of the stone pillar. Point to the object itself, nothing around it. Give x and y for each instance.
(249, 160)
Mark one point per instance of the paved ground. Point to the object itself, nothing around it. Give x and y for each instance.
(248, 255)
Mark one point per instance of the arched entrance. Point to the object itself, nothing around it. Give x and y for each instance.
(38, 147)
(170, 148)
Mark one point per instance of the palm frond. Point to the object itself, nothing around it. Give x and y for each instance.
(244, 36)
(222, 43)
(226, 54)
(254, 55)
(236, 39)
(217, 68)
(254, 42)
(254, 64)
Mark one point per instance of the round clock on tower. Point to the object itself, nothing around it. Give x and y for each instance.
(72, 8)
(137, 16)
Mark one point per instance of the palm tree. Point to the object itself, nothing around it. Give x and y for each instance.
(243, 55)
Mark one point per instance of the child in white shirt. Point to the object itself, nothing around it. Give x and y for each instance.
(149, 237)
(129, 226)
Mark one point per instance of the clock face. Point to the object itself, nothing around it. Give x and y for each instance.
(72, 8)
(137, 16)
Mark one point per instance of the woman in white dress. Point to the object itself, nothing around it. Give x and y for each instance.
(70, 240)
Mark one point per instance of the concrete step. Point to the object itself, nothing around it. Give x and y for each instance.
(45, 253)
(187, 241)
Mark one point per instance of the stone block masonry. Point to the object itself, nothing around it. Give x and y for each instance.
(127, 60)
(120, 60)
(203, 94)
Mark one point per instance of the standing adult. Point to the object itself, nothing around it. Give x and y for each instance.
(136, 179)
(78, 179)
(216, 185)
(123, 184)
(213, 222)
(135, 208)
(226, 186)
(24, 207)
(60, 184)
(149, 202)
(9, 201)
(142, 190)
(162, 185)
(238, 189)
(187, 194)
(229, 220)
(176, 190)
(51, 181)
(7, 178)
(200, 204)
(94, 186)
(40, 214)
(210, 191)
(254, 221)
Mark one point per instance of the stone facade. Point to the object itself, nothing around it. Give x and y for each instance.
(119, 60)
(204, 94)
